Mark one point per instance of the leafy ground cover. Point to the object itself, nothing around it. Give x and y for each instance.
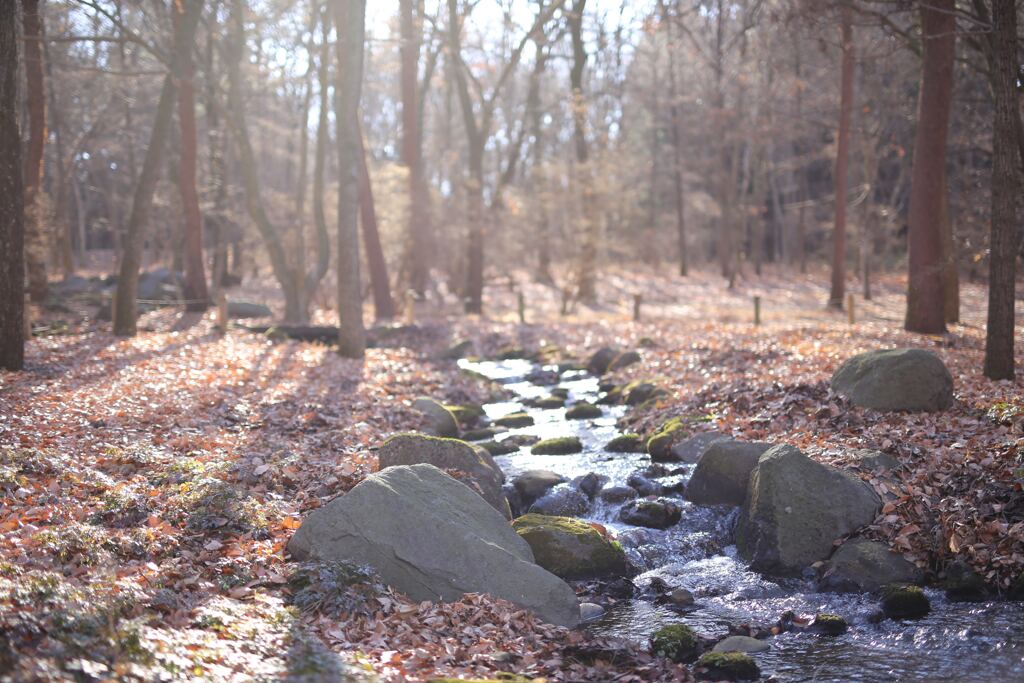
(148, 485)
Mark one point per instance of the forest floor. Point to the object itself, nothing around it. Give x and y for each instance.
(149, 485)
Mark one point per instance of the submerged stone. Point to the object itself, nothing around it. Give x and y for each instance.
(903, 601)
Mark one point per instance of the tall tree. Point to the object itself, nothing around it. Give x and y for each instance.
(928, 204)
(12, 200)
(195, 290)
(1004, 69)
(676, 136)
(478, 132)
(838, 291)
(586, 281)
(35, 95)
(383, 304)
(420, 243)
(350, 18)
(125, 308)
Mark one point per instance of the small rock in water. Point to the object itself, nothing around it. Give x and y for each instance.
(562, 500)
(439, 420)
(617, 494)
(963, 584)
(562, 445)
(515, 420)
(692, 449)
(905, 602)
(653, 514)
(681, 597)
(740, 644)
(590, 483)
(829, 624)
(625, 443)
(602, 358)
(677, 642)
(644, 486)
(532, 484)
(583, 411)
(590, 611)
(727, 666)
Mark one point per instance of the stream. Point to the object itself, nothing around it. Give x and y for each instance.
(957, 641)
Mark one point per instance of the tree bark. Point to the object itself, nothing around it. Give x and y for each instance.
(142, 201)
(383, 305)
(323, 134)
(350, 16)
(217, 217)
(420, 244)
(1003, 73)
(35, 95)
(196, 294)
(586, 281)
(677, 152)
(12, 200)
(838, 291)
(927, 216)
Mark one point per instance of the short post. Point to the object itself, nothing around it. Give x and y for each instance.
(566, 298)
(26, 316)
(638, 301)
(757, 310)
(521, 300)
(851, 314)
(410, 307)
(113, 307)
(222, 312)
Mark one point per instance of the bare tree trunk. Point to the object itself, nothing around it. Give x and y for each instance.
(323, 240)
(35, 234)
(195, 291)
(383, 305)
(1003, 74)
(294, 312)
(350, 16)
(419, 257)
(838, 291)
(216, 142)
(142, 200)
(677, 153)
(927, 215)
(12, 200)
(586, 282)
(951, 270)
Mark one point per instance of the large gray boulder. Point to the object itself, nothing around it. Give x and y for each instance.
(914, 380)
(723, 473)
(795, 508)
(439, 420)
(864, 565)
(432, 538)
(473, 465)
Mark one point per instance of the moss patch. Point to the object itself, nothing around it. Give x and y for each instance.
(677, 642)
(549, 402)
(515, 420)
(905, 601)
(659, 446)
(466, 414)
(727, 666)
(570, 548)
(499, 447)
(562, 445)
(583, 411)
(625, 443)
(829, 624)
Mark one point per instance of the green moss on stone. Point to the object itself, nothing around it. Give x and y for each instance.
(479, 434)
(583, 411)
(830, 624)
(549, 402)
(905, 601)
(727, 666)
(561, 445)
(498, 447)
(515, 420)
(677, 642)
(659, 446)
(625, 443)
(570, 548)
(466, 414)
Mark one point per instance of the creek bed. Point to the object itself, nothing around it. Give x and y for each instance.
(957, 641)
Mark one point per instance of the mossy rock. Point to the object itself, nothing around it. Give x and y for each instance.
(496, 448)
(481, 434)
(515, 420)
(549, 402)
(641, 391)
(560, 392)
(905, 601)
(677, 642)
(561, 445)
(466, 414)
(964, 584)
(583, 411)
(829, 624)
(727, 666)
(625, 443)
(625, 359)
(513, 353)
(570, 548)
(659, 446)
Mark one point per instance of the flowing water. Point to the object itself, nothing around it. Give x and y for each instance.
(956, 642)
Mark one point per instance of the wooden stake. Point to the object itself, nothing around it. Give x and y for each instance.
(410, 307)
(522, 307)
(26, 317)
(638, 301)
(222, 312)
(757, 310)
(851, 315)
